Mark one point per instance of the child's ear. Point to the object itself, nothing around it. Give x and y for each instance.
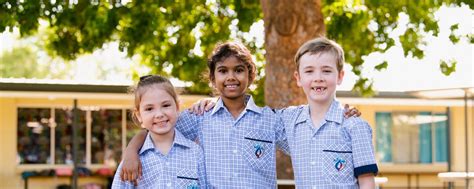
(297, 77)
(340, 77)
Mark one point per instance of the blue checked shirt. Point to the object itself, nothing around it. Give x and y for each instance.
(182, 167)
(239, 153)
(331, 155)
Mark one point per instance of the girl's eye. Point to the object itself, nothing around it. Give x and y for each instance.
(148, 109)
(222, 71)
(240, 70)
(166, 105)
(327, 71)
(308, 71)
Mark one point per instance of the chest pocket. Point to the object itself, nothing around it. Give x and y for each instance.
(258, 148)
(187, 177)
(187, 181)
(338, 164)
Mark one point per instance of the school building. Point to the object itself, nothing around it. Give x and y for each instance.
(415, 139)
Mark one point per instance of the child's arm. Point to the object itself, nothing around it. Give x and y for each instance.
(366, 181)
(118, 183)
(132, 167)
(363, 155)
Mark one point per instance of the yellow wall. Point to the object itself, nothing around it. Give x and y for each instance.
(397, 174)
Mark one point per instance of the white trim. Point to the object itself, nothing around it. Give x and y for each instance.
(65, 95)
(88, 137)
(402, 102)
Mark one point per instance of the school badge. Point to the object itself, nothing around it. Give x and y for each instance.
(258, 150)
(193, 186)
(339, 164)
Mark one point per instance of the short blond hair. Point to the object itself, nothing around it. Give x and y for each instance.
(321, 45)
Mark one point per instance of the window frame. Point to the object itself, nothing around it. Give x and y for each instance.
(88, 109)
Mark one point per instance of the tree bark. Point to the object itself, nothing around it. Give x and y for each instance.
(288, 24)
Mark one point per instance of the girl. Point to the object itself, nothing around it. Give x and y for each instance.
(169, 159)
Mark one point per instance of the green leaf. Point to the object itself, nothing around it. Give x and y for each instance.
(381, 66)
(447, 67)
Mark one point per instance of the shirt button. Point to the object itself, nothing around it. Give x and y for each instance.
(313, 163)
(234, 151)
(168, 184)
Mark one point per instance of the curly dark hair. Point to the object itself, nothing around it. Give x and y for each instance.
(228, 49)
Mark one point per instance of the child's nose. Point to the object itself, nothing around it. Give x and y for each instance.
(158, 114)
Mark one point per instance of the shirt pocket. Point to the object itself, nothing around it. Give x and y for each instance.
(338, 164)
(258, 148)
(187, 180)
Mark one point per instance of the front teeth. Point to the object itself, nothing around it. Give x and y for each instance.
(231, 86)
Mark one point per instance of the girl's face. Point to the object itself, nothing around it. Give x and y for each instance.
(231, 78)
(158, 111)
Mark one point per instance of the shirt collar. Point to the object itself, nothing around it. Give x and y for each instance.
(250, 105)
(179, 140)
(335, 113)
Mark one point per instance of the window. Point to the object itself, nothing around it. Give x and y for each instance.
(63, 136)
(45, 135)
(411, 137)
(33, 133)
(106, 143)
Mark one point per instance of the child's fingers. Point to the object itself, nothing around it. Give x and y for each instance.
(123, 175)
(140, 173)
(209, 106)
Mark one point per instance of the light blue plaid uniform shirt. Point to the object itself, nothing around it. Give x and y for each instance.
(239, 153)
(182, 167)
(332, 154)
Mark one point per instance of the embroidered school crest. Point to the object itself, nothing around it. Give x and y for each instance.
(339, 164)
(193, 186)
(258, 150)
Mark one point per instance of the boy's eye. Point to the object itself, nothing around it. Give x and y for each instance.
(239, 70)
(166, 105)
(308, 71)
(148, 108)
(327, 71)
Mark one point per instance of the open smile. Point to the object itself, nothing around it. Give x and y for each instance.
(319, 89)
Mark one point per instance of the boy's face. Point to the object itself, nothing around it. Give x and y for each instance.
(318, 76)
(158, 111)
(231, 78)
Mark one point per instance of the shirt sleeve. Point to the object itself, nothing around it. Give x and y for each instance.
(362, 148)
(187, 124)
(118, 183)
(281, 136)
(202, 170)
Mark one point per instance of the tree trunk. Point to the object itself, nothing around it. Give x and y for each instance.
(288, 24)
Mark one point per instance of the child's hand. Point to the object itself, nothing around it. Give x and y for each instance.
(131, 168)
(202, 106)
(351, 112)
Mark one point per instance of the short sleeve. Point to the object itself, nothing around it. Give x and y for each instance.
(187, 124)
(202, 169)
(362, 147)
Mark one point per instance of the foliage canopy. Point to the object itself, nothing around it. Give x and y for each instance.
(177, 34)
